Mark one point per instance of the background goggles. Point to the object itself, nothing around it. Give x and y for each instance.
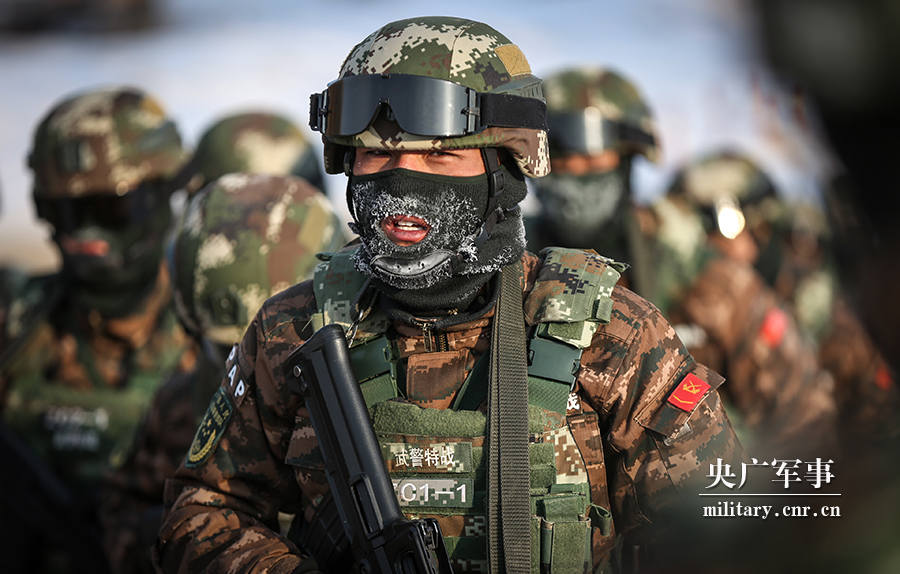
(420, 105)
(113, 212)
(587, 131)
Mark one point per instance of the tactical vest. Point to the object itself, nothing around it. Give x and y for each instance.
(435, 456)
(80, 432)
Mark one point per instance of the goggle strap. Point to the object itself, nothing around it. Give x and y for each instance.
(511, 111)
(633, 134)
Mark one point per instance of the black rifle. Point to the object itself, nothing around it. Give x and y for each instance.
(381, 538)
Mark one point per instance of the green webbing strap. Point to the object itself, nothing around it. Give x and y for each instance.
(374, 365)
(508, 504)
(552, 366)
(475, 388)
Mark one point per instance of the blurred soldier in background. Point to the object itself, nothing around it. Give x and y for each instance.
(256, 142)
(78, 15)
(855, 97)
(731, 319)
(88, 346)
(797, 260)
(242, 239)
(599, 123)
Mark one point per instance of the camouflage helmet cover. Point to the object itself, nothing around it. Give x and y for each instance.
(457, 50)
(615, 97)
(254, 142)
(243, 238)
(105, 141)
(729, 179)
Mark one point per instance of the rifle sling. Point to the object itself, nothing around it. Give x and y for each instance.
(508, 483)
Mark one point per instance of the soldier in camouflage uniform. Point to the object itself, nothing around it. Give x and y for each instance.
(243, 238)
(616, 418)
(88, 346)
(599, 125)
(256, 142)
(731, 319)
(796, 260)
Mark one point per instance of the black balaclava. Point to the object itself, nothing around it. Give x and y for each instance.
(585, 210)
(445, 270)
(117, 283)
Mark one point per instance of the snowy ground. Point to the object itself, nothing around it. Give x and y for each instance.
(695, 61)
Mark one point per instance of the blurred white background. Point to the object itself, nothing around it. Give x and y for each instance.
(696, 62)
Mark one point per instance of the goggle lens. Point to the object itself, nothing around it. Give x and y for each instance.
(108, 211)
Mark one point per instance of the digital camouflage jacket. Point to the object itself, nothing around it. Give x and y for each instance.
(645, 420)
(732, 321)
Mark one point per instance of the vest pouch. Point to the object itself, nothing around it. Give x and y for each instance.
(565, 546)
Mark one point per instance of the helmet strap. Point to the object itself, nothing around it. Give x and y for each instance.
(493, 212)
(349, 158)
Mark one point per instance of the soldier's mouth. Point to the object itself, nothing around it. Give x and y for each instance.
(405, 229)
(91, 247)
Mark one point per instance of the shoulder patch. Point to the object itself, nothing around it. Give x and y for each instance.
(688, 392)
(773, 327)
(669, 416)
(211, 428)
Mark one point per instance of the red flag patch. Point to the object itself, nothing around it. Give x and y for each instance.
(773, 327)
(689, 392)
(883, 378)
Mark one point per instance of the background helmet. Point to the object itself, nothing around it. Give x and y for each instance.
(256, 142)
(243, 238)
(590, 110)
(730, 191)
(423, 56)
(104, 142)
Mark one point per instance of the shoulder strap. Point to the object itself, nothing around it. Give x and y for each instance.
(572, 296)
(335, 284)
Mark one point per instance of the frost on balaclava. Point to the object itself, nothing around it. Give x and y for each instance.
(445, 270)
(584, 210)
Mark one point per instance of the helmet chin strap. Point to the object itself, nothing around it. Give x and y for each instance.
(493, 213)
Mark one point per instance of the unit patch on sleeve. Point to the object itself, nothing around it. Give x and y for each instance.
(211, 428)
(688, 392)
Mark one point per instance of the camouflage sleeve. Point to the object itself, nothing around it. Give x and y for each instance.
(775, 383)
(659, 412)
(224, 500)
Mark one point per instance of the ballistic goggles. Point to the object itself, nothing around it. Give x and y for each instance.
(421, 105)
(112, 212)
(588, 131)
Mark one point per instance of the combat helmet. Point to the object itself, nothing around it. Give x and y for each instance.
(448, 83)
(730, 191)
(256, 142)
(104, 142)
(243, 238)
(105, 163)
(590, 110)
